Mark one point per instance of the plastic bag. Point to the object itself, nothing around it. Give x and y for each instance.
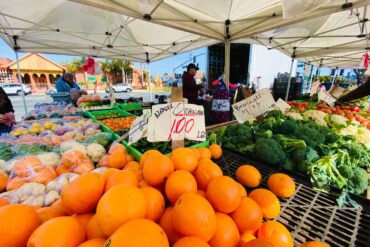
(28, 169)
(75, 161)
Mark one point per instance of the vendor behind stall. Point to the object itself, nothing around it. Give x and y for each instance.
(7, 118)
(189, 86)
(66, 84)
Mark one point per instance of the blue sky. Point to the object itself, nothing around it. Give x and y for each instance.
(156, 68)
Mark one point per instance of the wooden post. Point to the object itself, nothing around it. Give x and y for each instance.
(176, 96)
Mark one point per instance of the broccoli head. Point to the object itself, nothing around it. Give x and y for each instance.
(358, 182)
(310, 136)
(306, 154)
(269, 151)
(324, 172)
(288, 127)
(289, 144)
(277, 114)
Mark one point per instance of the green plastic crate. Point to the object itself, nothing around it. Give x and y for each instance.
(97, 113)
(130, 106)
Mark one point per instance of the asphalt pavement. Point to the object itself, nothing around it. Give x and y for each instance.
(33, 99)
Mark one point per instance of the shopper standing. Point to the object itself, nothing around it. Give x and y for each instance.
(189, 86)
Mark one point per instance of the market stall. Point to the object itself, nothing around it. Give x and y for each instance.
(70, 177)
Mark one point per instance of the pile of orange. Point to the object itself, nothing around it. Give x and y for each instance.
(181, 201)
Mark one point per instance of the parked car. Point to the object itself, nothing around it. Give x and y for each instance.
(50, 91)
(120, 87)
(16, 89)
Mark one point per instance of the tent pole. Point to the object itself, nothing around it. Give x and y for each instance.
(290, 79)
(227, 63)
(149, 85)
(20, 80)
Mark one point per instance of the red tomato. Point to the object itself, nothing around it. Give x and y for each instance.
(339, 112)
(328, 111)
(355, 109)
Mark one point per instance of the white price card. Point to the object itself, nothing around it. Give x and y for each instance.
(138, 129)
(254, 106)
(314, 88)
(327, 98)
(282, 105)
(337, 92)
(221, 105)
(176, 121)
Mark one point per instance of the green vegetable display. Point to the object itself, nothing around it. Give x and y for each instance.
(101, 138)
(302, 146)
(34, 148)
(6, 151)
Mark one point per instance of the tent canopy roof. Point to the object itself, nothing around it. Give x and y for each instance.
(336, 40)
(149, 30)
(64, 27)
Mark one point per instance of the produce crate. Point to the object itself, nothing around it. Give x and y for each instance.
(310, 214)
(96, 113)
(130, 106)
(138, 154)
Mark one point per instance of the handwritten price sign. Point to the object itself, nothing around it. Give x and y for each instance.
(254, 106)
(138, 129)
(327, 98)
(282, 105)
(176, 121)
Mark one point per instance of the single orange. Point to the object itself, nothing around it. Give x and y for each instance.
(166, 223)
(179, 183)
(64, 231)
(146, 155)
(205, 172)
(157, 168)
(227, 233)
(216, 151)
(184, 159)
(116, 148)
(121, 177)
(117, 160)
(248, 176)
(139, 232)
(154, 203)
(276, 233)
(267, 201)
(205, 153)
(224, 194)
(193, 215)
(17, 222)
(248, 216)
(119, 205)
(281, 185)
(82, 194)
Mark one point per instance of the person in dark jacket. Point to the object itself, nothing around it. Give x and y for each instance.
(189, 87)
(7, 118)
(358, 93)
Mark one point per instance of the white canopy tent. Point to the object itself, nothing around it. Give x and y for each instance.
(149, 30)
(337, 40)
(64, 27)
(128, 29)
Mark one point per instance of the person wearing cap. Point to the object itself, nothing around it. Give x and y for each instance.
(189, 86)
(66, 84)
